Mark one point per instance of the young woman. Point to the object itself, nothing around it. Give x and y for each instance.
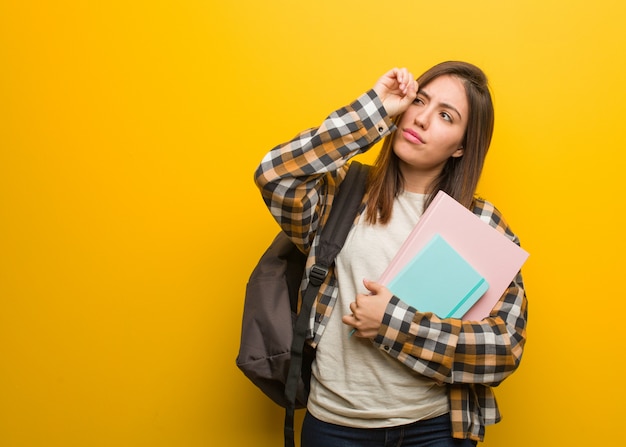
(407, 378)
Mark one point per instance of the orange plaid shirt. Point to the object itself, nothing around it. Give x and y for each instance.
(298, 180)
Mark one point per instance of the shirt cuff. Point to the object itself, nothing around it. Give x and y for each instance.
(394, 330)
(369, 107)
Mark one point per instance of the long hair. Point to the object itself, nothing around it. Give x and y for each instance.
(459, 176)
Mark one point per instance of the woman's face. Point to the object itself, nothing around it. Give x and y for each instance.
(432, 128)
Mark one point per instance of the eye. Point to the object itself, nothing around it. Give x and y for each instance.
(446, 116)
(418, 100)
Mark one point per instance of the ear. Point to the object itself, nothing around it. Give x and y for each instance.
(458, 152)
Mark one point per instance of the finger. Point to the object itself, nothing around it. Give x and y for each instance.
(349, 320)
(414, 88)
(353, 307)
(400, 77)
(410, 84)
(387, 83)
(406, 80)
(410, 94)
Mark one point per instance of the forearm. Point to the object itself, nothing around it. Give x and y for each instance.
(294, 177)
(455, 351)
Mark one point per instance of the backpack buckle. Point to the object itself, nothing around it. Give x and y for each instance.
(318, 274)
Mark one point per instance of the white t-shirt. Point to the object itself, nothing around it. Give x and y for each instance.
(353, 383)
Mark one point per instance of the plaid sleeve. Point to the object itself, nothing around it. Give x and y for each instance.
(294, 177)
(455, 351)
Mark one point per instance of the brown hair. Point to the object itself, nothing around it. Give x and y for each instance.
(459, 176)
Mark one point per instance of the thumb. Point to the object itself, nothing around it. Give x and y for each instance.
(372, 286)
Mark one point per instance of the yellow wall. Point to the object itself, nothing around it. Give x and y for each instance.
(129, 222)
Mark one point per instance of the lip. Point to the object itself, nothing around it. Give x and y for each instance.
(412, 136)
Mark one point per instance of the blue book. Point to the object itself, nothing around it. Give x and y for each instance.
(439, 280)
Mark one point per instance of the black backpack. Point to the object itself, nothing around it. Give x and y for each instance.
(272, 352)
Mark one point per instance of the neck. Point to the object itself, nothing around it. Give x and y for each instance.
(416, 180)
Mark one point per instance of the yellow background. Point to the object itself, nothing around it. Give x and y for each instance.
(129, 222)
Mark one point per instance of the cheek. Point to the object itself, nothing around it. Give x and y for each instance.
(452, 139)
(395, 138)
(407, 118)
(403, 122)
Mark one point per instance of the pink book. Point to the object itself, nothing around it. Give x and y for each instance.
(491, 253)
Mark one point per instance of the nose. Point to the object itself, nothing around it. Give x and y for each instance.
(421, 118)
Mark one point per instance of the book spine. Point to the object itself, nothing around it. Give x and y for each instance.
(458, 311)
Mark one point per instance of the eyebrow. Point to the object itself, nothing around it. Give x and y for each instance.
(442, 104)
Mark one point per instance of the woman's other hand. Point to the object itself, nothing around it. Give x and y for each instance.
(368, 310)
(397, 89)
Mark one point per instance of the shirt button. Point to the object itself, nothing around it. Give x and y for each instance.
(381, 129)
(386, 348)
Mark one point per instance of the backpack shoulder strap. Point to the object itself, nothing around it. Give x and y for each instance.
(344, 209)
(342, 214)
